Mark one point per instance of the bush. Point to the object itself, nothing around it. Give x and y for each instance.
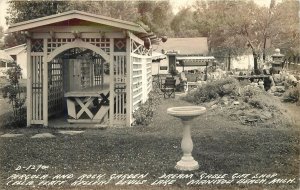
(257, 98)
(16, 96)
(144, 115)
(213, 90)
(249, 92)
(292, 95)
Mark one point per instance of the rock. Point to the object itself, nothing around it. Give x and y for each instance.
(210, 104)
(9, 135)
(278, 93)
(43, 135)
(213, 106)
(68, 132)
(266, 115)
(272, 89)
(280, 89)
(291, 78)
(277, 78)
(224, 100)
(236, 103)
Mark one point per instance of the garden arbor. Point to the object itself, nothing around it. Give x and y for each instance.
(116, 44)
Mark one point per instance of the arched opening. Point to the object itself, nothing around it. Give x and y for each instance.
(78, 87)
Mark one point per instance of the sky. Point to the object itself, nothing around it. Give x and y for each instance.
(175, 3)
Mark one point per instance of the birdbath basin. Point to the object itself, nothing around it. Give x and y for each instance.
(186, 114)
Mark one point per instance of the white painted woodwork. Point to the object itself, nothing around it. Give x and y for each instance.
(29, 84)
(45, 84)
(53, 81)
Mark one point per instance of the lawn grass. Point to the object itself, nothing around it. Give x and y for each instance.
(221, 146)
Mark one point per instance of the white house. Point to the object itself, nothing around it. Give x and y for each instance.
(187, 53)
(5, 62)
(19, 55)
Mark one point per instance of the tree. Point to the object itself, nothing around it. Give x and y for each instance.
(210, 20)
(124, 10)
(157, 15)
(1, 37)
(287, 21)
(19, 11)
(183, 24)
(16, 95)
(1, 32)
(236, 26)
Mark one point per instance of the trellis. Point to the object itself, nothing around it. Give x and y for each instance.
(55, 86)
(113, 43)
(141, 72)
(37, 89)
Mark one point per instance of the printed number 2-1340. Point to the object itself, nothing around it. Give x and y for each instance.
(32, 167)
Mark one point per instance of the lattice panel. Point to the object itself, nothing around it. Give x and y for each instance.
(37, 45)
(137, 81)
(149, 75)
(120, 69)
(120, 104)
(120, 88)
(37, 87)
(138, 48)
(86, 74)
(98, 71)
(52, 44)
(103, 43)
(55, 86)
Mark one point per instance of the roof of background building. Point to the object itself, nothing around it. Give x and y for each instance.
(5, 57)
(185, 46)
(16, 49)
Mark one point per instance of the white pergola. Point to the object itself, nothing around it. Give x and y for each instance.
(118, 43)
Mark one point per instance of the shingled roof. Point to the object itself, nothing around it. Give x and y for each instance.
(185, 46)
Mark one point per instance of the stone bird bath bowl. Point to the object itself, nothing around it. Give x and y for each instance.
(186, 114)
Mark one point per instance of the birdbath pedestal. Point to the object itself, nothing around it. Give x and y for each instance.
(186, 114)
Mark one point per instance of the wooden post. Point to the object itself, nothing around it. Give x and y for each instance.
(29, 83)
(128, 84)
(45, 84)
(111, 83)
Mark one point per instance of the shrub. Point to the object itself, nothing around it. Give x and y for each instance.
(213, 90)
(292, 95)
(16, 96)
(257, 98)
(143, 116)
(249, 92)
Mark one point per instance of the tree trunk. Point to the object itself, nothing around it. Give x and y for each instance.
(264, 50)
(256, 71)
(229, 61)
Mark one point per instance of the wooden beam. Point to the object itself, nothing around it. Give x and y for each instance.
(135, 38)
(29, 84)
(45, 84)
(39, 35)
(129, 117)
(111, 83)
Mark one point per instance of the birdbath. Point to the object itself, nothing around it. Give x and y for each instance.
(186, 114)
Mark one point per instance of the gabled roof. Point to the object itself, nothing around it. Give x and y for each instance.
(5, 57)
(185, 46)
(16, 49)
(52, 19)
(157, 55)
